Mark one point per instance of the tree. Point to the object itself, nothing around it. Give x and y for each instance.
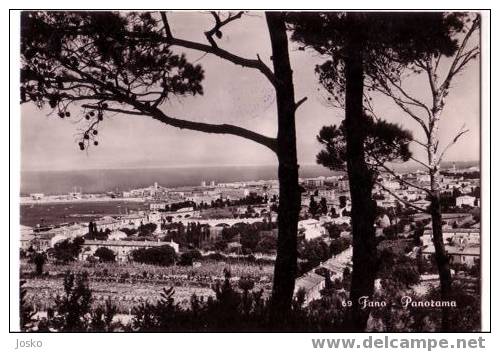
(163, 255)
(381, 140)
(463, 49)
(72, 308)
(266, 244)
(146, 229)
(313, 206)
(356, 43)
(250, 239)
(334, 230)
(27, 312)
(102, 318)
(108, 62)
(68, 250)
(187, 258)
(323, 206)
(342, 201)
(314, 251)
(105, 254)
(39, 259)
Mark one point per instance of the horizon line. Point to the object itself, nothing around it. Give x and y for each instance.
(410, 164)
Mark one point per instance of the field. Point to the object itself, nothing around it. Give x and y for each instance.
(130, 284)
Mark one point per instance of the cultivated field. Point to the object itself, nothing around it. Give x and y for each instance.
(130, 284)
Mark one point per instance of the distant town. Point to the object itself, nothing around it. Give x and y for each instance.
(186, 237)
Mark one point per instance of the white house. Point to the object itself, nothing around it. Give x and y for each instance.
(117, 235)
(312, 228)
(312, 284)
(465, 200)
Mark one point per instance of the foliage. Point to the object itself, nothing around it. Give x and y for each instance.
(109, 58)
(267, 244)
(232, 311)
(27, 312)
(146, 229)
(334, 230)
(102, 318)
(314, 251)
(339, 245)
(68, 250)
(128, 231)
(39, 259)
(162, 255)
(387, 41)
(187, 258)
(105, 254)
(383, 142)
(313, 206)
(72, 309)
(238, 307)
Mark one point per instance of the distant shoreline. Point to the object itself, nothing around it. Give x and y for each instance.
(25, 201)
(119, 180)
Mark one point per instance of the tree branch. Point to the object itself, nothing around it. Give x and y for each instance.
(218, 25)
(195, 126)
(413, 100)
(400, 199)
(269, 142)
(460, 133)
(300, 102)
(392, 172)
(459, 55)
(121, 111)
(226, 55)
(387, 91)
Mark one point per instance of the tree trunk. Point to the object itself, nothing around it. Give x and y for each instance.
(441, 257)
(363, 207)
(285, 269)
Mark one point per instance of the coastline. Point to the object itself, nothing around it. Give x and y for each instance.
(25, 201)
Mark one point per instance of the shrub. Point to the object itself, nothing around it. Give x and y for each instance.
(163, 255)
(105, 254)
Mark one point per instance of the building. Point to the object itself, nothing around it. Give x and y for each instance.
(312, 284)
(315, 182)
(328, 194)
(117, 235)
(42, 242)
(458, 236)
(37, 196)
(157, 206)
(462, 245)
(391, 184)
(311, 228)
(27, 236)
(467, 255)
(122, 249)
(465, 200)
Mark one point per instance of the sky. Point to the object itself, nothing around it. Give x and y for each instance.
(235, 95)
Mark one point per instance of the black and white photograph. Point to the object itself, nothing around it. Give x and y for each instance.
(266, 171)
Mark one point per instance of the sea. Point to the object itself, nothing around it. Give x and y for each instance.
(106, 180)
(100, 181)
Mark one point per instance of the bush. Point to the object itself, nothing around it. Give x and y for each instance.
(267, 244)
(187, 258)
(39, 259)
(67, 250)
(105, 254)
(147, 229)
(163, 255)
